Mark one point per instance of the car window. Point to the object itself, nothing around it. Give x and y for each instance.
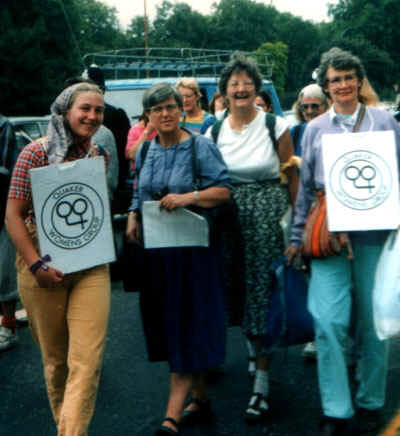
(31, 129)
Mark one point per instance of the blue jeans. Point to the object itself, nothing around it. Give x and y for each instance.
(336, 284)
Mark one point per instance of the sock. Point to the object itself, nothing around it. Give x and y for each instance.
(250, 349)
(261, 382)
(9, 323)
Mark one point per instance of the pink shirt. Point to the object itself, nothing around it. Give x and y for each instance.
(134, 134)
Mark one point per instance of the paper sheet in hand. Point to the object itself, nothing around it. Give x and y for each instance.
(362, 188)
(72, 214)
(178, 228)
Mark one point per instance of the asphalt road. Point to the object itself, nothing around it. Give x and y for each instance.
(133, 392)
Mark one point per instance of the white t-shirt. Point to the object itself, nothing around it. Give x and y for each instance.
(249, 154)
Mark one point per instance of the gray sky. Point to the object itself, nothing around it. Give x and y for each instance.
(315, 10)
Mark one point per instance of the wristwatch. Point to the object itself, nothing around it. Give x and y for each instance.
(40, 264)
(196, 196)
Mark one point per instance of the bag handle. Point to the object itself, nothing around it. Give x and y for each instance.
(360, 117)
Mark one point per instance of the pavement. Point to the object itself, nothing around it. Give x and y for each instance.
(133, 392)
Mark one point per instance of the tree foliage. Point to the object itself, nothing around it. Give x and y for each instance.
(43, 41)
(278, 55)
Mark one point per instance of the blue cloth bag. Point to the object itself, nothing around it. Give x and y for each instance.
(288, 322)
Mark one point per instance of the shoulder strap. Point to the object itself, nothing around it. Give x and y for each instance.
(217, 127)
(215, 130)
(143, 154)
(144, 150)
(360, 117)
(270, 121)
(195, 175)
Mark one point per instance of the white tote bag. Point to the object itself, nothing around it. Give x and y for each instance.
(386, 292)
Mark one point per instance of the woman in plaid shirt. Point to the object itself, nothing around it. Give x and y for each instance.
(68, 313)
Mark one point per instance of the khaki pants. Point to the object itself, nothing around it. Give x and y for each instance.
(69, 322)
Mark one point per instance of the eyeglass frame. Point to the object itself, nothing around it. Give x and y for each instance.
(313, 106)
(346, 78)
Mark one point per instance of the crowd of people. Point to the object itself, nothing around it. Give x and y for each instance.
(234, 156)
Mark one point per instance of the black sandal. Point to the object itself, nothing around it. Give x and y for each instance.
(202, 414)
(164, 430)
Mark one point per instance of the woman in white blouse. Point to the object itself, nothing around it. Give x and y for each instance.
(254, 162)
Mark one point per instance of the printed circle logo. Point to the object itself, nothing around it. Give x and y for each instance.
(72, 215)
(361, 180)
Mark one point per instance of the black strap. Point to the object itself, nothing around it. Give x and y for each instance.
(270, 121)
(143, 153)
(217, 127)
(195, 174)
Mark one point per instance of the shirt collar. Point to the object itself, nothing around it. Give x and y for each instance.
(349, 121)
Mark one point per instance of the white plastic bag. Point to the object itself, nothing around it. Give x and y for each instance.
(386, 292)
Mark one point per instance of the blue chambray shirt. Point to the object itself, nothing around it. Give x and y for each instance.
(171, 167)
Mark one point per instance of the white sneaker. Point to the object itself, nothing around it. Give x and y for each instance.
(7, 338)
(22, 317)
(310, 351)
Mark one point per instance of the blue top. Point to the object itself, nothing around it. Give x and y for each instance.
(297, 141)
(171, 168)
(207, 123)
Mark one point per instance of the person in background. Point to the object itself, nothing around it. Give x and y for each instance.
(104, 138)
(217, 104)
(264, 101)
(8, 273)
(140, 132)
(193, 116)
(68, 313)
(182, 305)
(338, 283)
(117, 121)
(254, 164)
(310, 103)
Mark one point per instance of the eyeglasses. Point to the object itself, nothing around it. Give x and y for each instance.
(312, 106)
(347, 78)
(246, 84)
(170, 108)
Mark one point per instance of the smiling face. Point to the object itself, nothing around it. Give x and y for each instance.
(311, 108)
(240, 91)
(343, 87)
(165, 116)
(86, 114)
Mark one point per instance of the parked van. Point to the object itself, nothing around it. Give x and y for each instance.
(127, 93)
(130, 72)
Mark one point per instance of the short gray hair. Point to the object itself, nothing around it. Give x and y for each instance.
(159, 93)
(310, 91)
(339, 60)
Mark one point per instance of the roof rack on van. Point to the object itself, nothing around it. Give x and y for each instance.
(167, 62)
